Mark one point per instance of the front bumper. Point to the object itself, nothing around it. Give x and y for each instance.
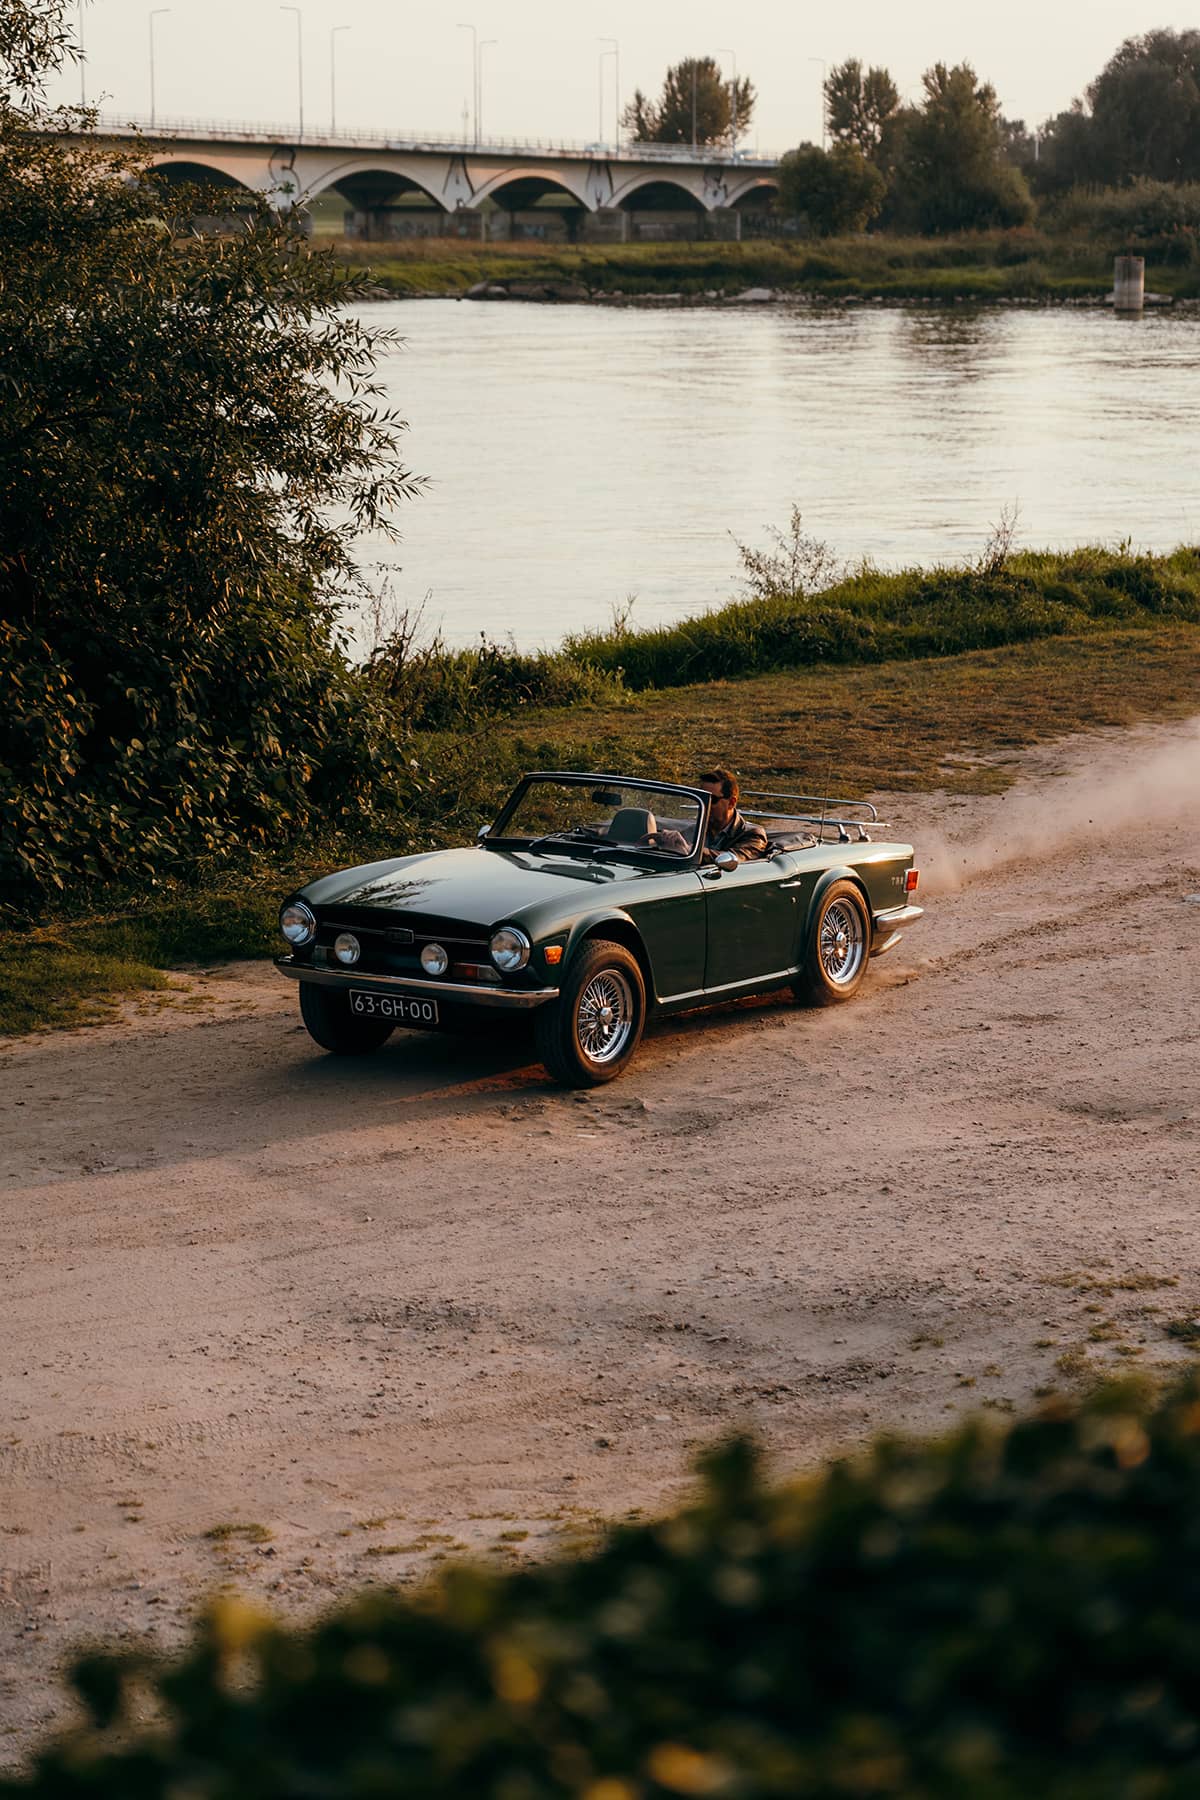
(460, 993)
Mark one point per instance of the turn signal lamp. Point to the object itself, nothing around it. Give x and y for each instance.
(554, 954)
(910, 881)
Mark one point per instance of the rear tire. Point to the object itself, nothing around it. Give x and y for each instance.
(838, 948)
(589, 1034)
(330, 1023)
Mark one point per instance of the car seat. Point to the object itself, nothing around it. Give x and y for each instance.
(630, 825)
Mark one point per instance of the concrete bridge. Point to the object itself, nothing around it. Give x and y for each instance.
(411, 186)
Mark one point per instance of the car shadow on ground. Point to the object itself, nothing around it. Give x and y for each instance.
(231, 1087)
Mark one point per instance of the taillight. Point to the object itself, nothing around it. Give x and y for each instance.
(911, 880)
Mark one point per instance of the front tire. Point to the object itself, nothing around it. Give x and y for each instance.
(330, 1023)
(838, 948)
(589, 1034)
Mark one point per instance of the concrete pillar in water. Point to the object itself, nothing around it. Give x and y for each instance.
(1129, 284)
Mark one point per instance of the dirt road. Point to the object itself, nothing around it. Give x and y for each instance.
(298, 1324)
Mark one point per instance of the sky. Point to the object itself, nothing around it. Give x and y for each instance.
(404, 68)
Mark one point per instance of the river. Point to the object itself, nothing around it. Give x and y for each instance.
(579, 455)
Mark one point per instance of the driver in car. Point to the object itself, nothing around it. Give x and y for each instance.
(728, 829)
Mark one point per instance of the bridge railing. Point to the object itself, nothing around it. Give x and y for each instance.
(319, 137)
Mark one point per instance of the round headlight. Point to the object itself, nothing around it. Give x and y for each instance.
(510, 949)
(346, 947)
(435, 960)
(297, 923)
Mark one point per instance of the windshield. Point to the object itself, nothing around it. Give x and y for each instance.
(588, 818)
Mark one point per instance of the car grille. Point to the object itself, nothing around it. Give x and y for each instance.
(392, 944)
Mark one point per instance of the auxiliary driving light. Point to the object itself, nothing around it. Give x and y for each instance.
(346, 948)
(298, 923)
(434, 959)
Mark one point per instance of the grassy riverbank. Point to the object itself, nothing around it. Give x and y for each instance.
(954, 722)
(1028, 265)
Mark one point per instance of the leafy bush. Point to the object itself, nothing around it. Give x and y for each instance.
(833, 191)
(997, 1614)
(876, 617)
(425, 686)
(190, 437)
(1157, 219)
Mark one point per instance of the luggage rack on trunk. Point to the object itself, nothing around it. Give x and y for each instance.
(848, 818)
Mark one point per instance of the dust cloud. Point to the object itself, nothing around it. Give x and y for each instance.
(1155, 781)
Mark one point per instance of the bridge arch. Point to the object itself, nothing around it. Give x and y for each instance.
(755, 191)
(369, 179)
(658, 192)
(178, 171)
(520, 188)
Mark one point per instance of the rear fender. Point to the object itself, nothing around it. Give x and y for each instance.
(829, 878)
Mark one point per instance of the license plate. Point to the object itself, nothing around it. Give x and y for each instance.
(398, 1007)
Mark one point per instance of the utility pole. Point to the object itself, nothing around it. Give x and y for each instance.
(333, 77)
(695, 70)
(82, 61)
(299, 66)
(824, 98)
(486, 44)
(474, 81)
(614, 50)
(156, 13)
(733, 100)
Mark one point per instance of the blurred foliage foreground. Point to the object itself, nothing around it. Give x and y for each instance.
(998, 1614)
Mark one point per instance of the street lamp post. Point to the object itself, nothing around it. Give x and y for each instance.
(474, 81)
(613, 50)
(485, 44)
(299, 65)
(733, 100)
(156, 13)
(333, 77)
(824, 98)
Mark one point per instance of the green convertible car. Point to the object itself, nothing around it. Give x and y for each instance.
(591, 903)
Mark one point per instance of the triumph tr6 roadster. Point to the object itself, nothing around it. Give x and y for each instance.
(591, 904)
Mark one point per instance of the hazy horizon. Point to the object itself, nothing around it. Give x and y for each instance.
(238, 62)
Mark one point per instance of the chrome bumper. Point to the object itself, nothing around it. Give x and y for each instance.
(888, 926)
(467, 993)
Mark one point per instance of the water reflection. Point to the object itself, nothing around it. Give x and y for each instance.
(578, 455)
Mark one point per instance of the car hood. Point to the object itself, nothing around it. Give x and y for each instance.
(481, 887)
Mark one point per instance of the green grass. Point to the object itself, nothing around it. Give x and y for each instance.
(918, 679)
(1028, 264)
(74, 971)
(955, 722)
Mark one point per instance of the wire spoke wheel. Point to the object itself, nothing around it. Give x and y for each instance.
(605, 1016)
(842, 943)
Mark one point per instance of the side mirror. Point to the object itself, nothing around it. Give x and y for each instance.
(726, 861)
(482, 833)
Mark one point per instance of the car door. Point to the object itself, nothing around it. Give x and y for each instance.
(754, 916)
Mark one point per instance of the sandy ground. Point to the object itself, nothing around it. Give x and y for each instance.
(382, 1310)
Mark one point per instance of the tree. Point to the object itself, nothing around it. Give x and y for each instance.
(952, 173)
(858, 105)
(836, 190)
(190, 437)
(1145, 109)
(696, 106)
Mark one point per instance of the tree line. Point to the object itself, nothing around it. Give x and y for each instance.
(952, 161)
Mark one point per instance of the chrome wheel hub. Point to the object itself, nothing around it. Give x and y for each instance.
(843, 943)
(604, 1018)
